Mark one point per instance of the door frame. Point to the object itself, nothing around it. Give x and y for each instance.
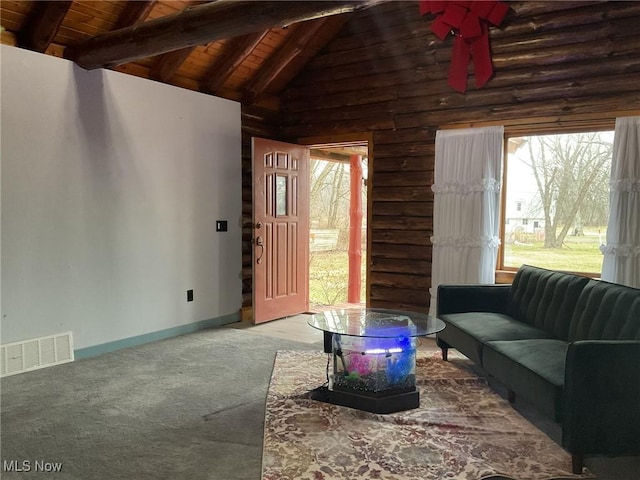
(341, 140)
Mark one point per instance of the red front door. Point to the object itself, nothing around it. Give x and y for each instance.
(280, 229)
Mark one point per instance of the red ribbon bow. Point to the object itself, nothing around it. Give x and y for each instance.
(468, 21)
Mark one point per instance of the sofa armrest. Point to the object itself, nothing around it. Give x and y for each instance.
(601, 397)
(472, 298)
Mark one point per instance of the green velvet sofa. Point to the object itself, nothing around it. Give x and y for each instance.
(568, 344)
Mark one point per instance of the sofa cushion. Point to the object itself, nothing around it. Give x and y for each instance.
(606, 311)
(468, 331)
(532, 368)
(545, 299)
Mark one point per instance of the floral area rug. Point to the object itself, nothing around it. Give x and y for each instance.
(462, 431)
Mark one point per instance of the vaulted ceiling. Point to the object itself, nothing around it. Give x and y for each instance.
(242, 50)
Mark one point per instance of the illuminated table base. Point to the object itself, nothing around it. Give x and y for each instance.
(372, 374)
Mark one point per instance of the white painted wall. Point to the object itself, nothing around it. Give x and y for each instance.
(111, 187)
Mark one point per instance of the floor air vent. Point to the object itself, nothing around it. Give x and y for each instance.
(19, 357)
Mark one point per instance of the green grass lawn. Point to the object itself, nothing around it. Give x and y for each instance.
(329, 271)
(329, 277)
(578, 254)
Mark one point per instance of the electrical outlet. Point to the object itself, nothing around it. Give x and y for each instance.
(189, 295)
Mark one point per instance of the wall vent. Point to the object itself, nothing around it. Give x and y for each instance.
(19, 357)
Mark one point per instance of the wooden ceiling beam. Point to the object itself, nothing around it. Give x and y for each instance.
(292, 48)
(42, 25)
(133, 13)
(235, 52)
(169, 63)
(200, 25)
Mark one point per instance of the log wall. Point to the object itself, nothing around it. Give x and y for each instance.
(386, 73)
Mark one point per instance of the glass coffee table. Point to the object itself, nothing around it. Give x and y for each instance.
(374, 357)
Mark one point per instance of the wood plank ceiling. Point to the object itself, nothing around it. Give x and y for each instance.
(241, 50)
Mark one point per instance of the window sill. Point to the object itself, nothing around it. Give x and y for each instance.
(505, 276)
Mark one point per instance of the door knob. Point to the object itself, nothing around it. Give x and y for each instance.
(258, 225)
(260, 244)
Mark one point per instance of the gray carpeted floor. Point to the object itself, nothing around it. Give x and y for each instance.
(190, 408)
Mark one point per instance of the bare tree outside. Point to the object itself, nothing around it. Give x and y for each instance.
(329, 193)
(571, 173)
(329, 232)
(559, 190)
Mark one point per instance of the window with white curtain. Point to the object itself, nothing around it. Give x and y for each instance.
(557, 184)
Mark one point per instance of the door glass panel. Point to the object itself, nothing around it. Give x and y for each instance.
(281, 195)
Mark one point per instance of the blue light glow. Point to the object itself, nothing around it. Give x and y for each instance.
(400, 353)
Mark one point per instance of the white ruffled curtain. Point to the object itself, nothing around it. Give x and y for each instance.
(621, 263)
(466, 218)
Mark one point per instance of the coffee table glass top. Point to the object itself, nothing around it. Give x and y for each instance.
(376, 322)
